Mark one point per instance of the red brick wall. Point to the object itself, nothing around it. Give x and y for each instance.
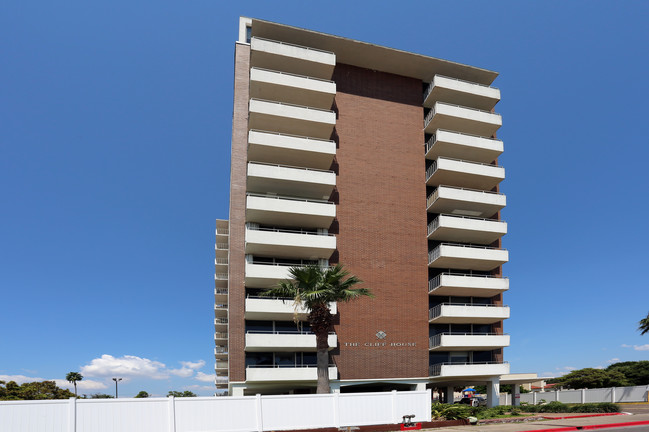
(382, 222)
(238, 171)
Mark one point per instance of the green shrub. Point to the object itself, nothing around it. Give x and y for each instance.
(450, 412)
(602, 407)
(554, 407)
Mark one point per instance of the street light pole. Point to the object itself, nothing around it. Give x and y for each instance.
(116, 381)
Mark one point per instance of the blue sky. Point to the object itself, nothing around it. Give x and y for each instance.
(115, 122)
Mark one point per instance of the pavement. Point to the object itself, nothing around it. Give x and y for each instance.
(639, 413)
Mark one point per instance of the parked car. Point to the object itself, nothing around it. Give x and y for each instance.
(473, 401)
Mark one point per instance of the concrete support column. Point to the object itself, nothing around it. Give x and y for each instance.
(493, 392)
(238, 390)
(420, 386)
(517, 395)
(450, 394)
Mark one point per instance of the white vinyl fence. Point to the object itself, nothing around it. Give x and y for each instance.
(214, 414)
(613, 394)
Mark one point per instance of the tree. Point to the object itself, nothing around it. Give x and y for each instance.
(36, 390)
(185, 393)
(636, 372)
(73, 377)
(101, 396)
(643, 325)
(314, 288)
(142, 394)
(593, 378)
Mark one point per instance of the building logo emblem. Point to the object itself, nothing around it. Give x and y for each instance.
(380, 334)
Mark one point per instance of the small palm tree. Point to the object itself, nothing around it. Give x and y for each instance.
(643, 325)
(314, 287)
(73, 377)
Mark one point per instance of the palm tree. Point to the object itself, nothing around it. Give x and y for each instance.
(643, 325)
(314, 287)
(73, 377)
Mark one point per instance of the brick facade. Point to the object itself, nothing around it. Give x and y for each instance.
(381, 222)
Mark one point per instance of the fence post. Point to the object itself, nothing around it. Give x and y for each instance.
(72, 415)
(171, 411)
(260, 421)
(429, 393)
(612, 394)
(336, 405)
(395, 420)
(534, 398)
(556, 395)
(583, 396)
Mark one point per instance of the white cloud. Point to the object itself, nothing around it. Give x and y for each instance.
(125, 367)
(626, 346)
(613, 360)
(199, 387)
(200, 376)
(187, 368)
(81, 385)
(641, 347)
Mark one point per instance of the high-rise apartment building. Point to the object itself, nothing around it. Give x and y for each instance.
(384, 161)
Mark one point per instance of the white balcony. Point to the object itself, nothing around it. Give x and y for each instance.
(461, 119)
(289, 244)
(459, 92)
(220, 295)
(221, 249)
(467, 342)
(294, 150)
(445, 171)
(451, 313)
(221, 338)
(468, 370)
(220, 265)
(221, 352)
(221, 368)
(221, 324)
(288, 211)
(466, 257)
(290, 119)
(466, 202)
(291, 88)
(291, 181)
(281, 56)
(462, 285)
(284, 374)
(463, 146)
(220, 310)
(263, 308)
(466, 229)
(265, 275)
(261, 342)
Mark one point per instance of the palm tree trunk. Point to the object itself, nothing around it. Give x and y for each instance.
(75, 388)
(320, 319)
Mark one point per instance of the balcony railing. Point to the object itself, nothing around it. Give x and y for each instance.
(300, 231)
(295, 75)
(435, 194)
(300, 332)
(431, 85)
(436, 369)
(221, 276)
(435, 253)
(221, 350)
(433, 166)
(292, 166)
(274, 366)
(296, 105)
(290, 198)
(435, 223)
(431, 113)
(220, 320)
(220, 335)
(220, 261)
(221, 291)
(222, 246)
(293, 45)
(222, 231)
(436, 282)
(285, 264)
(436, 340)
(436, 311)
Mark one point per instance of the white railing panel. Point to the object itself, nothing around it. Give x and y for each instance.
(365, 410)
(413, 403)
(598, 395)
(122, 415)
(28, 416)
(236, 414)
(301, 411)
(570, 396)
(631, 394)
